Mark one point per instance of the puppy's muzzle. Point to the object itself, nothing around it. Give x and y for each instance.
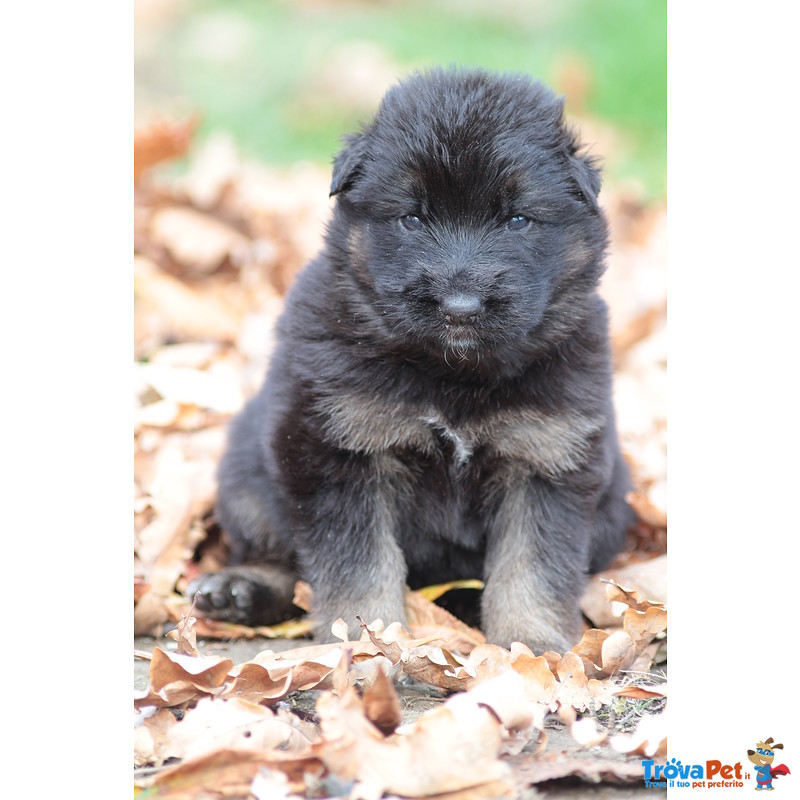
(461, 309)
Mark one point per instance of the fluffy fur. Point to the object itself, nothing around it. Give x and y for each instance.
(439, 403)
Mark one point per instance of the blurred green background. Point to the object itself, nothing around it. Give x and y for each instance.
(287, 79)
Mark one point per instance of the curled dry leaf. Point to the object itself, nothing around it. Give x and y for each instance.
(186, 637)
(177, 678)
(215, 724)
(382, 704)
(642, 579)
(605, 653)
(521, 718)
(452, 747)
(426, 662)
(426, 619)
(269, 682)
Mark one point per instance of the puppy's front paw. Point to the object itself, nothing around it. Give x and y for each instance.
(247, 595)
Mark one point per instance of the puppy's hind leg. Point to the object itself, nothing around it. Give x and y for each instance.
(258, 586)
(614, 518)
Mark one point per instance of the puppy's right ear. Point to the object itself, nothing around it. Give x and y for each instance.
(348, 163)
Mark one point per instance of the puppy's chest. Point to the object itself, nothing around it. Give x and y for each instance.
(549, 443)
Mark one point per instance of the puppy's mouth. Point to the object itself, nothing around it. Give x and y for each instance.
(459, 315)
(460, 336)
(459, 343)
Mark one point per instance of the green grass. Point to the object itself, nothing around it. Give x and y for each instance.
(262, 87)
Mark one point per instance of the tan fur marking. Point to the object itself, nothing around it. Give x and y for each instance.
(551, 444)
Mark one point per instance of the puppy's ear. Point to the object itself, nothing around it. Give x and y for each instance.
(348, 163)
(584, 168)
(586, 175)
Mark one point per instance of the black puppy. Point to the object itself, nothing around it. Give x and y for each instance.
(439, 403)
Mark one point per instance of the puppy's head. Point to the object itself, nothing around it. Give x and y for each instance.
(469, 218)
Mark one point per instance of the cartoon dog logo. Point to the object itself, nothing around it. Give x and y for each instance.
(762, 757)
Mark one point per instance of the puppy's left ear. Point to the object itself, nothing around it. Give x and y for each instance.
(587, 176)
(348, 163)
(584, 169)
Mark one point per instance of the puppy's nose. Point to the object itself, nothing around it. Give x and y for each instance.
(461, 309)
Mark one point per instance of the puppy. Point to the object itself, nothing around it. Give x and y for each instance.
(439, 403)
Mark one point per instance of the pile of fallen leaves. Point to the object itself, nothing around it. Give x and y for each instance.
(216, 248)
(226, 725)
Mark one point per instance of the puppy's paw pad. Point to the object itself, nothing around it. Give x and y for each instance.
(226, 596)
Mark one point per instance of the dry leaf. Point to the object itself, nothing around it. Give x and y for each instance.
(150, 733)
(215, 724)
(452, 747)
(427, 620)
(158, 141)
(177, 678)
(228, 773)
(644, 579)
(186, 637)
(196, 240)
(382, 704)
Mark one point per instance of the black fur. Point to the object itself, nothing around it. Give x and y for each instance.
(439, 403)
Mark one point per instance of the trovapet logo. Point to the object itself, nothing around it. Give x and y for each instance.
(710, 775)
(715, 774)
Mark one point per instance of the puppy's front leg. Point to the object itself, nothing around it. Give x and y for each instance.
(536, 561)
(344, 530)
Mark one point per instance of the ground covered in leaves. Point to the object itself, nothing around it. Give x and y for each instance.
(215, 250)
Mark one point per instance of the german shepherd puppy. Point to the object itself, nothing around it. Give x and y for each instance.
(439, 403)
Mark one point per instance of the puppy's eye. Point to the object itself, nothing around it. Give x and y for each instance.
(411, 222)
(517, 223)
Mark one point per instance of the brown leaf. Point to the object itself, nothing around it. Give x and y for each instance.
(540, 683)
(197, 241)
(216, 629)
(644, 626)
(574, 685)
(149, 614)
(382, 704)
(149, 735)
(182, 489)
(420, 761)
(166, 309)
(303, 595)
(184, 634)
(589, 648)
(227, 773)
(617, 652)
(176, 678)
(632, 598)
(160, 140)
(271, 676)
(427, 620)
(215, 724)
(643, 579)
(426, 662)
(639, 692)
